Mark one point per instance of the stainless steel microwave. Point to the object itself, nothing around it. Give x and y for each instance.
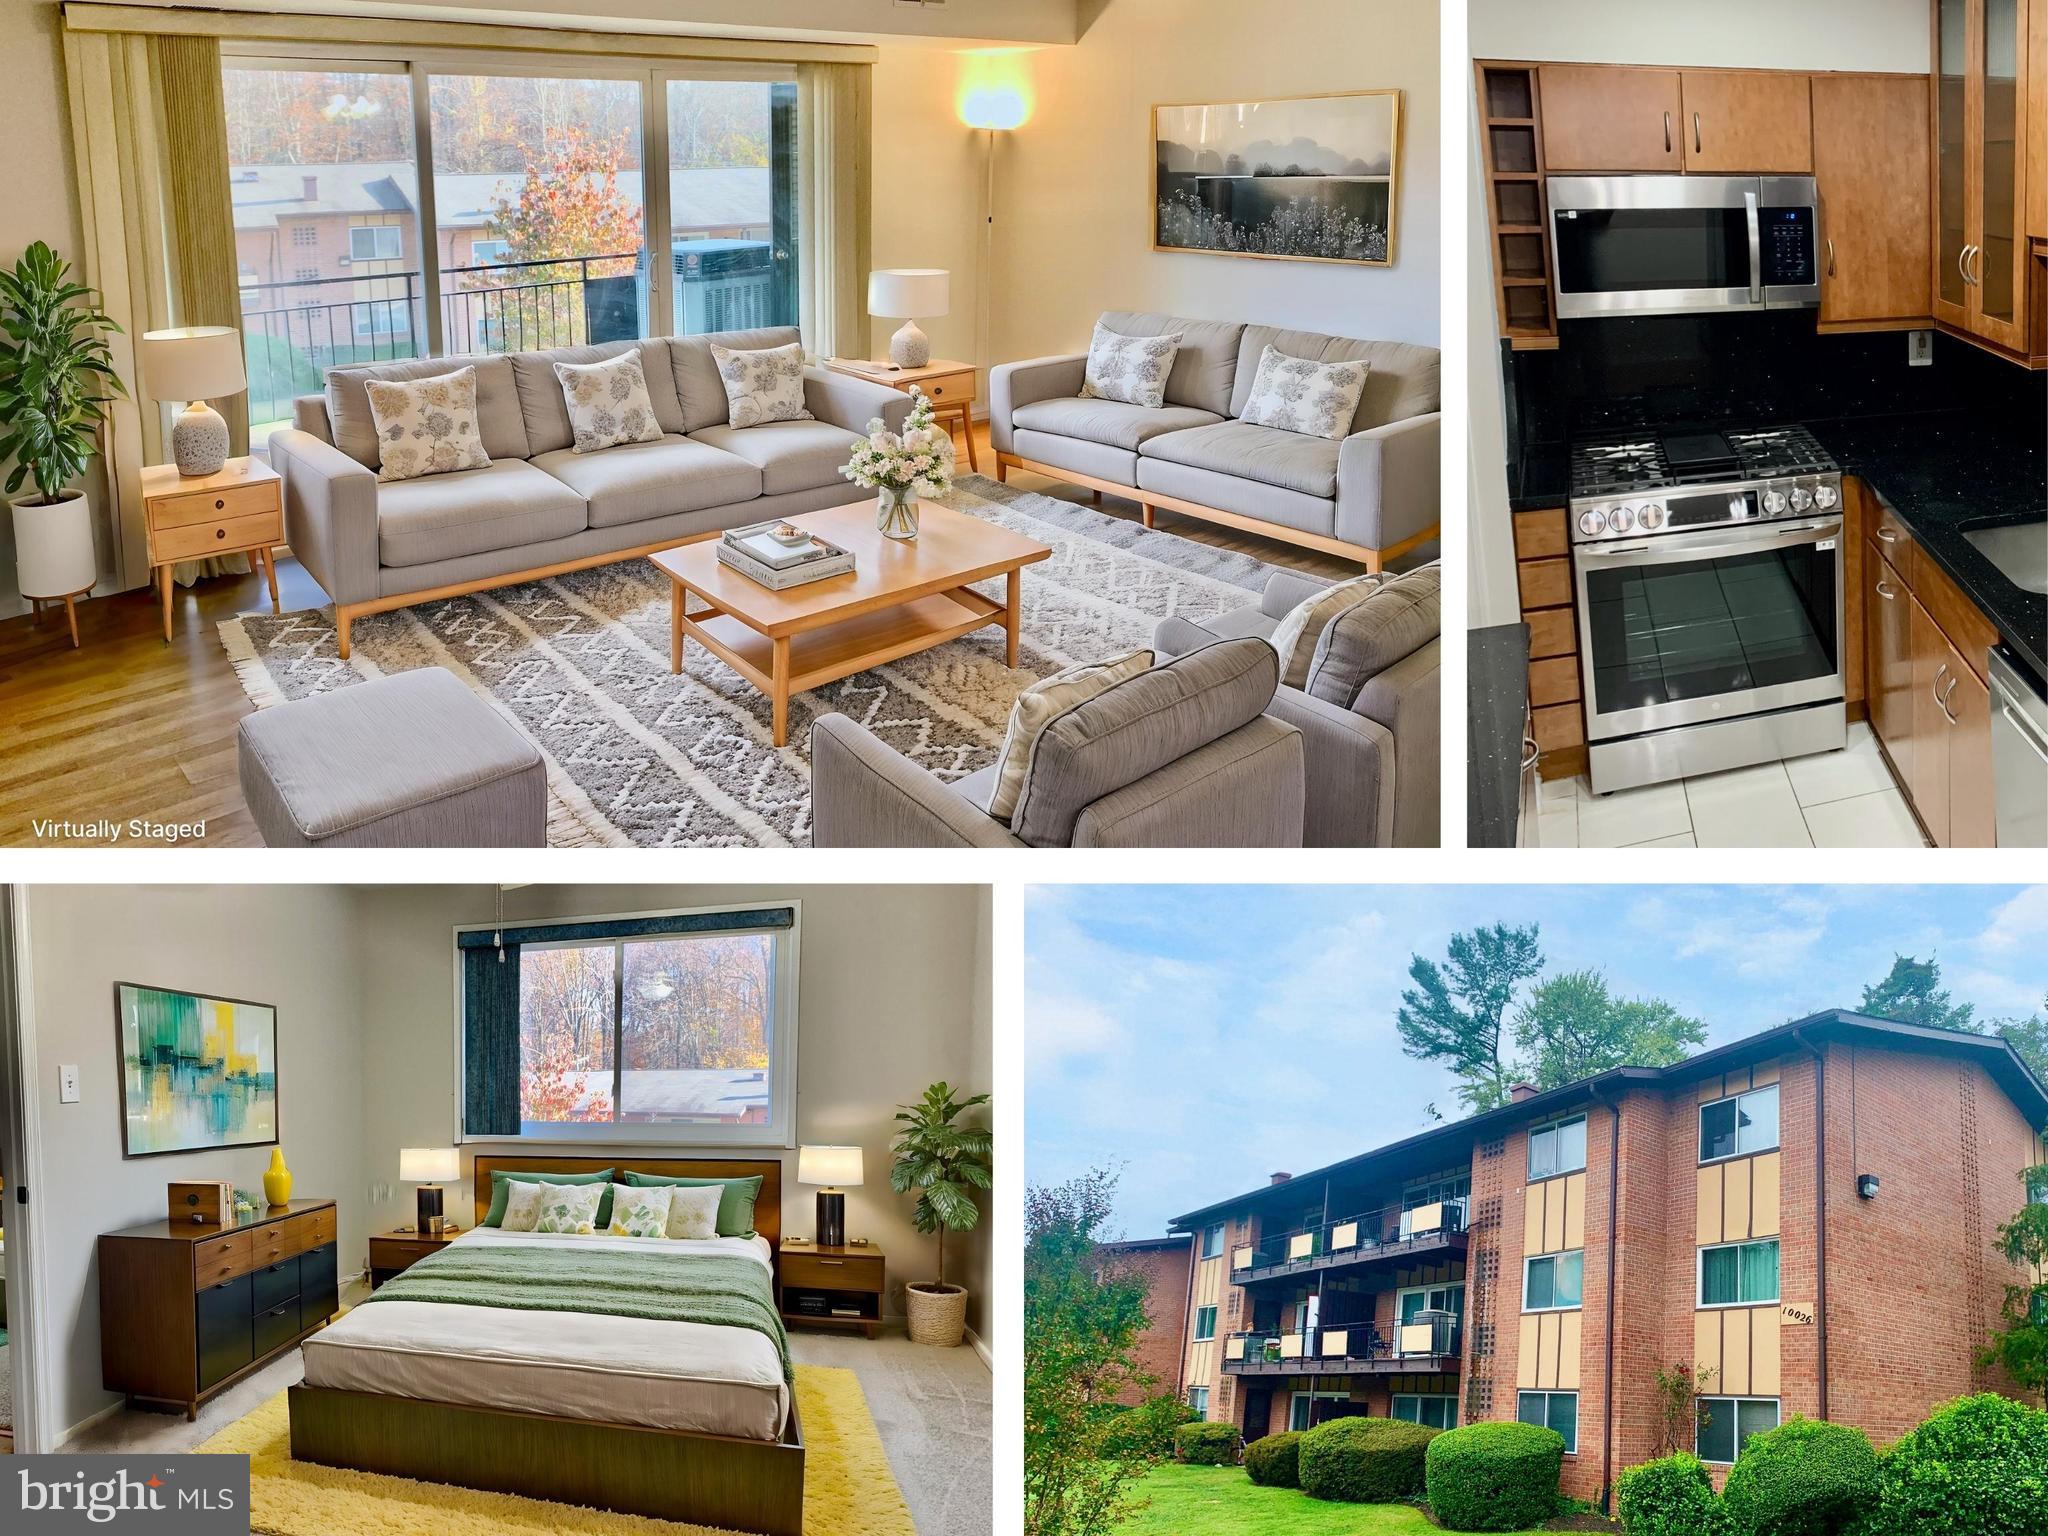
(1683, 245)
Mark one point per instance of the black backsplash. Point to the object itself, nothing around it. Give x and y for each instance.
(1734, 369)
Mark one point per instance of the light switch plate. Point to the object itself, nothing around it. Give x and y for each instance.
(1919, 349)
(67, 1084)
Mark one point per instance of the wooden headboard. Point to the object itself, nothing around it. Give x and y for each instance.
(767, 1209)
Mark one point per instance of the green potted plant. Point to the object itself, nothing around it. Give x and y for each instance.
(56, 378)
(943, 1162)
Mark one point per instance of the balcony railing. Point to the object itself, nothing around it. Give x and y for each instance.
(1388, 1230)
(1340, 1347)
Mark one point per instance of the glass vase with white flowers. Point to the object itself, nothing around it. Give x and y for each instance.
(902, 466)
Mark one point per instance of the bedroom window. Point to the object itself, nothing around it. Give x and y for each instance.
(672, 1027)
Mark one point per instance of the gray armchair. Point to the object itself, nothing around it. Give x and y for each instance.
(1182, 756)
(1369, 718)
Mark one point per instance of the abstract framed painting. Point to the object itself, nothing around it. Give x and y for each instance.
(1296, 178)
(197, 1072)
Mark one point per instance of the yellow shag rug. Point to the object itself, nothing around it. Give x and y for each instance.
(848, 1488)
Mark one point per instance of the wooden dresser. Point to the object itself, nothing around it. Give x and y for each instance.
(186, 1311)
(846, 1284)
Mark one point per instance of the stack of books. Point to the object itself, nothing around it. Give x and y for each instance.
(759, 553)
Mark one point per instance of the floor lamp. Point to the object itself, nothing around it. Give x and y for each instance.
(993, 111)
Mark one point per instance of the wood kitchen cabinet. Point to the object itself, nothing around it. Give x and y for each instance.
(1737, 121)
(1951, 772)
(1981, 193)
(1888, 659)
(1610, 117)
(1931, 672)
(1870, 162)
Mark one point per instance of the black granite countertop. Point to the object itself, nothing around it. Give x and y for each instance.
(1497, 685)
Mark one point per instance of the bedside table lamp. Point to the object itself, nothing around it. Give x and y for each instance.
(908, 294)
(429, 1167)
(195, 363)
(838, 1169)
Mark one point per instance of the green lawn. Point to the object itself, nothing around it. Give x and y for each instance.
(1222, 1501)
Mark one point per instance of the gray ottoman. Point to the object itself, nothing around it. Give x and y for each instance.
(412, 761)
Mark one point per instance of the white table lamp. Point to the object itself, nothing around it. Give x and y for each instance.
(908, 294)
(429, 1167)
(839, 1169)
(195, 363)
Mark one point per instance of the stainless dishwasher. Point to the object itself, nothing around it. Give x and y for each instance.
(2019, 754)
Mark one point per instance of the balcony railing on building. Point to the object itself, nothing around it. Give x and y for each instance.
(1426, 1341)
(1388, 1232)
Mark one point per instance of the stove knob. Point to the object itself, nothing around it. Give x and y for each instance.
(1802, 498)
(1592, 523)
(1621, 519)
(1650, 515)
(1825, 496)
(1774, 502)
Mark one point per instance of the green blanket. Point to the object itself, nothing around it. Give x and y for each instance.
(723, 1290)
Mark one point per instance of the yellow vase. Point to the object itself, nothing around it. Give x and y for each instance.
(277, 1180)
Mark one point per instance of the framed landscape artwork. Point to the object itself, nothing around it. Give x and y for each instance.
(1302, 178)
(196, 1072)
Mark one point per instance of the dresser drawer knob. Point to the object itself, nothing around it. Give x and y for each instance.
(219, 504)
(220, 533)
(938, 390)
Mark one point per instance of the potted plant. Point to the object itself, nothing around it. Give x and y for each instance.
(943, 1161)
(56, 378)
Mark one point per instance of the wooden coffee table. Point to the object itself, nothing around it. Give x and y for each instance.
(902, 596)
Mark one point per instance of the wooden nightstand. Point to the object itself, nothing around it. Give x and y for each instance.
(950, 385)
(392, 1253)
(850, 1282)
(239, 511)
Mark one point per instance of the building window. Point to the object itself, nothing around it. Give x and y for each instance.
(485, 253)
(305, 234)
(1438, 1412)
(1198, 1399)
(375, 242)
(1302, 1412)
(1553, 1281)
(1739, 1274)
(1723, 1425)
(1554, 1410)
(1739, 1126)
(1557, 1148)
(1430, 1298)
(1205, 1324)
(1212, 1241)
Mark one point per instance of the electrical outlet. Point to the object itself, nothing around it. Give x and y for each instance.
(67, 1084)
(1919, 349)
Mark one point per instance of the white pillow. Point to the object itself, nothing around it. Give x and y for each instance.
(1132, 369)
(639, 1210)
(762, 386)
(1302, 629)
(693, 1210)
(426, 426)
(1296, 395)
(522, 1206)
(1041, 704)
(608, 402)
(569, 1208)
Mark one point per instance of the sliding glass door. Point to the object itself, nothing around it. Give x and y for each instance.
(732, 203)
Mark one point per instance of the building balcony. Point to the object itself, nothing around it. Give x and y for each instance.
(1429, 1345)
(1387, 1236)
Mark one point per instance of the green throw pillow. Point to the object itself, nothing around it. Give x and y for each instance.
(496, 1215)
(735, 1204)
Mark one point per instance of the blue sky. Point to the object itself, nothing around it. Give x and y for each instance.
(1205, 1036)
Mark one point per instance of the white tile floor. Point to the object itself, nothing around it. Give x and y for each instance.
(1842, 799)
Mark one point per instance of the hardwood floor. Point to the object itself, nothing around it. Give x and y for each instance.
(128, 727)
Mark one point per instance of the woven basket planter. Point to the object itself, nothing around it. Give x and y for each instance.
(937, 1316)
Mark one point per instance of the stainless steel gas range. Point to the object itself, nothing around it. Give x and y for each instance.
(1708, 565)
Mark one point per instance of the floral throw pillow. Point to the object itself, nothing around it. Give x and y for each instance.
(639, 1211)
(693, 1210)
(1296, 395)
(608, 403)
(570, 1208)
(426, 426)
(1132, 369)
(522, 1207)
(762, 386)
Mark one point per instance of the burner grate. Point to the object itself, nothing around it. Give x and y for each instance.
(1630, 462)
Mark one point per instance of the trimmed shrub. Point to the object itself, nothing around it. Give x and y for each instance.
(1805, 1478)
(1203, 1444)
(1275, 1462)
(1146, 1431)
(1977, 1467)
(1364, 1461)
(1494, 1476)
(1671, 1496)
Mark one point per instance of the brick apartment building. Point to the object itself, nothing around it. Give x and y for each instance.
(1164, 1262)
(1808, 1213)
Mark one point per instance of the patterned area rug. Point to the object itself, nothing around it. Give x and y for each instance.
(640, 757)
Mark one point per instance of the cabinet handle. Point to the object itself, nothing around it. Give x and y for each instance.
(1962, 268)
(1667, 133)
(1886, 592)
(1695, 133)
(1887, 536)
(1831, 255)
(834, 1263)
(1934, 688)
(1976, 266)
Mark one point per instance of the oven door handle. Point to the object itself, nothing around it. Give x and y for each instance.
(1679, 549)
(1756, 246)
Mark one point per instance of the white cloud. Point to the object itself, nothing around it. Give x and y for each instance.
(2020, 923)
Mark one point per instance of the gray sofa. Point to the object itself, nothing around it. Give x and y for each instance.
(540, 508)
(1369, 717)
(1370, 496)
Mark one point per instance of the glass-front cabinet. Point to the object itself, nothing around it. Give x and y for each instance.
(1980, 92)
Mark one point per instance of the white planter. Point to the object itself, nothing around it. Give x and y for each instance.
(937, 1315)
(53, 555)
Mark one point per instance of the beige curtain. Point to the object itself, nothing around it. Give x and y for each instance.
(149, 132)
(835, 126)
